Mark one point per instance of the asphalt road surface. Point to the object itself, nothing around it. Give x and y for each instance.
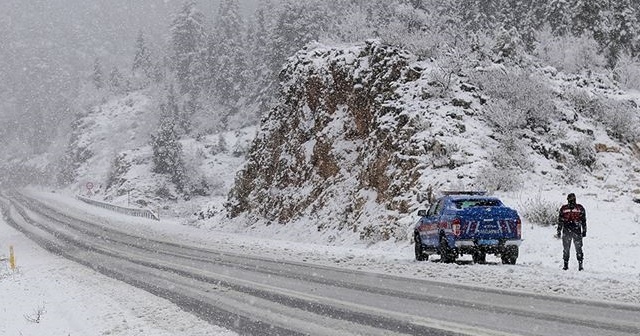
(261, 296)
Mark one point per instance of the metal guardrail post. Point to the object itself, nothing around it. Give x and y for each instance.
(12, 258)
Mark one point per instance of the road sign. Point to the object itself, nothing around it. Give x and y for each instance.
(89, 185)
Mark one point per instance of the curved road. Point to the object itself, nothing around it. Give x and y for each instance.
(261, 296)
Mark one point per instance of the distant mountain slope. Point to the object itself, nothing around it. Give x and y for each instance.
(363, 135)
(110, 147)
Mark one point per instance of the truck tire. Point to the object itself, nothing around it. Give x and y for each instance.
(447, 254)
(419, 251)
(510, 255)
(479, 257)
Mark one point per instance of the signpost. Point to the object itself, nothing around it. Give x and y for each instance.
(89, 186)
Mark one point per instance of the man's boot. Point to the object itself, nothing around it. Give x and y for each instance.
(566, 265)
(580, 268)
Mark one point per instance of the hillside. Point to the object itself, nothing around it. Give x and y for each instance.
(110, 148)
(364, 135)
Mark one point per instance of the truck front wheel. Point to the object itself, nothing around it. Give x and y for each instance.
(419, 251)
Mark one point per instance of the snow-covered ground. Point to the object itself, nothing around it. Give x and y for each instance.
(78, 301)
(48, 295)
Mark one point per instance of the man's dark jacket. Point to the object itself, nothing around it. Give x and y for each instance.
(572, 219)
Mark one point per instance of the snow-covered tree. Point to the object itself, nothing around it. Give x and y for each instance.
(627, 71)
(117, 83)
(559, 16)
(587, 17)
(569, 53)
(522, 16)
(97, 76)
(508, 45)
(297, 24)
(230, 65)
(478, 15)
(142, 66)
(167, 149)
(188, 39)
(623, 30)
(260, 76)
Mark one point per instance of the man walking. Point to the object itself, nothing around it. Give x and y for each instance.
(572, 223)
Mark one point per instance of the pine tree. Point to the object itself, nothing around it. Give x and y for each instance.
(188, 37)
(171, 109)
(624, 30)
(117, 83)
(508, 44)
(230, 65)
(260, 72)
(559, 17)
(520, 15)
(167, 149)
(478, 15)
(297, 24)
(587, 17)
(98, 74)
(142, 64)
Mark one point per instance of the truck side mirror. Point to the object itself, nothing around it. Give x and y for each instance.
(422, 213)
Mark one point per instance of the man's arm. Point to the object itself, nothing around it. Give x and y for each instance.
(584, 221)
(560, 223)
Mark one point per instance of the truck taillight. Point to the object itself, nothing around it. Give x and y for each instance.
(519, 227)
(455, 226)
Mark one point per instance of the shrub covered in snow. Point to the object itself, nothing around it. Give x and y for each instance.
(529, 99)
(540, 211)
(621, 118)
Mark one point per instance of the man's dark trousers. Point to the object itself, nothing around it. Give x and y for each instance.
(566, 243)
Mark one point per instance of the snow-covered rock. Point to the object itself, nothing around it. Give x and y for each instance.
(365, 135)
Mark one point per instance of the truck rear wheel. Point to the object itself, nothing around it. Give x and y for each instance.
(510, 255)
(479, 257)
(447, 254)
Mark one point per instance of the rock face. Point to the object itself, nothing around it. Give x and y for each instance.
(331, 151)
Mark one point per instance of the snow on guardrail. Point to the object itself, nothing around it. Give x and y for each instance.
(146, 213)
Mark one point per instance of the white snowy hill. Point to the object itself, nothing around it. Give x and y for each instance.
(364, 135)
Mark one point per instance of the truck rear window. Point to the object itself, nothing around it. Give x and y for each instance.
(463, 204)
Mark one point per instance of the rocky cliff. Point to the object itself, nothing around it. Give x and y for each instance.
(332, 149)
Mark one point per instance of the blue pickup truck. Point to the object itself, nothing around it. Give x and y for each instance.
(468, 223)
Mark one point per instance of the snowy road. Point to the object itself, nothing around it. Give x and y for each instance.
(259, 295)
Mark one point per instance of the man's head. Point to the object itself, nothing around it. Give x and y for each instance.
(571, 198)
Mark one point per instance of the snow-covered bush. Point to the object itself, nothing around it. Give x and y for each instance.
(119, 167)
(219, 147)
(573, 174)
(505, 118)
(627, 72)
(503, 168)
(569, 53)
(508, 45)
(540, 211)
(448, 67)
(584, 153)
(493, 178)
(529, 99)
(621, 118)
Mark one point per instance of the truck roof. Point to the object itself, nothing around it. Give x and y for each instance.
(472, 197)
